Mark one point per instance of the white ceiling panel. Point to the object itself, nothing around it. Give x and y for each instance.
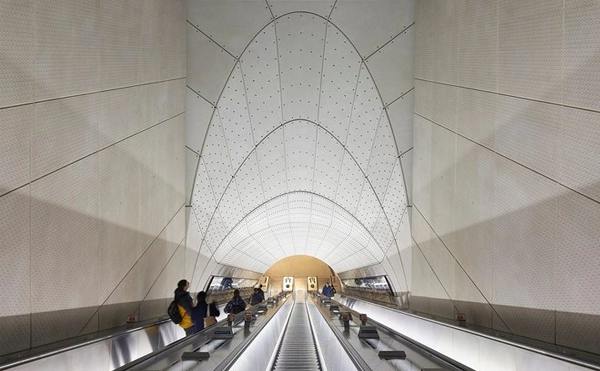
(376, 250)
(265, 257)
(250, 262)
(350, 260)
(299, 124)
(272, 164)
(204, 56)
(220, 253)
(370, 255)
(400, 114)
(300, 144)
(337, 253)
(382, 232)
(328, 163)
(224, 249)
(300, 236)
(230, 207)
(238, 234)
(216, 158)
(341, 266)
(284, 236)
(300, 39)
(194, 235)
(322, 210)
(281, 7)
(318, 218)
(278, 212)
(383, 157)
(342, 221)
(249, 184)
(392, 66)
(299, 207)
(261, 78)
(368, 207)
(316, 236)
(216, 232)
(269, 242)
(231, 256)
(349, 184)
(386, 19)
(360, 235)
(257, 221)
(395, 203)
(300, 201)
(235, 119)
(203, 200)
(233, 32)
(366, 114)
(341, 64)
(198, 115)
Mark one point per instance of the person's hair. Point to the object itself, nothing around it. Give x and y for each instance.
(260, 286)
(201, 297)
(181, 284)
(236, 292)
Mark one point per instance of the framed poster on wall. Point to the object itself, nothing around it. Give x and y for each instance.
(288, 283)
(312, 284)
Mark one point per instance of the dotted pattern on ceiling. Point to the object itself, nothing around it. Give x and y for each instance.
(297, 225)
(261, 78)
(203, 200)
(299, 157)
(300, 38)
(321, 7)
(341, 65)
(235, 119)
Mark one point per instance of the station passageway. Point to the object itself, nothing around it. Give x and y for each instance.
(432, 166)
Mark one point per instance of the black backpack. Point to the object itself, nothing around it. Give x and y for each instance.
(173, 312)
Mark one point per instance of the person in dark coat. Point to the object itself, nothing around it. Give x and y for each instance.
(327, 290)
(261, 293)
(203, 310)
(255, 298)
(236, 304)
(185, 305)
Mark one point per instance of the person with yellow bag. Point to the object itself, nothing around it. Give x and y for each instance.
(204, 314)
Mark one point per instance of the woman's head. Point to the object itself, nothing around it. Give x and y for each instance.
(183, 285)
(201, 297)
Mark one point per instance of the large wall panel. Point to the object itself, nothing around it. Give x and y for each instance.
(64, 248)
(15, 125)
(529, 49)
(524, 172)
(91, 162)
(65, 130)
(17, 50)
(67, 54)
(16, 279)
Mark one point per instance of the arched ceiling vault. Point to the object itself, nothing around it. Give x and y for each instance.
(300, 156)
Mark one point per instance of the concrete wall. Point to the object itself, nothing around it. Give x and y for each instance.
(506, 174)
(91, 164)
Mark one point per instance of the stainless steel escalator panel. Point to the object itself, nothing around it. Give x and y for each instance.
(297, 350)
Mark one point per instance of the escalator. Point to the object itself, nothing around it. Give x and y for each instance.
(298, 350)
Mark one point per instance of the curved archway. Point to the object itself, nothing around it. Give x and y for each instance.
(284, 124)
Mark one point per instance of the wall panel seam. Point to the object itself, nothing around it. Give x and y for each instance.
(510, 159)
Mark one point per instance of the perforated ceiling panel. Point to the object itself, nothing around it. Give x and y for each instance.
(299, 157)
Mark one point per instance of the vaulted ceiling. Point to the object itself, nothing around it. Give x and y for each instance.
(304, 121)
